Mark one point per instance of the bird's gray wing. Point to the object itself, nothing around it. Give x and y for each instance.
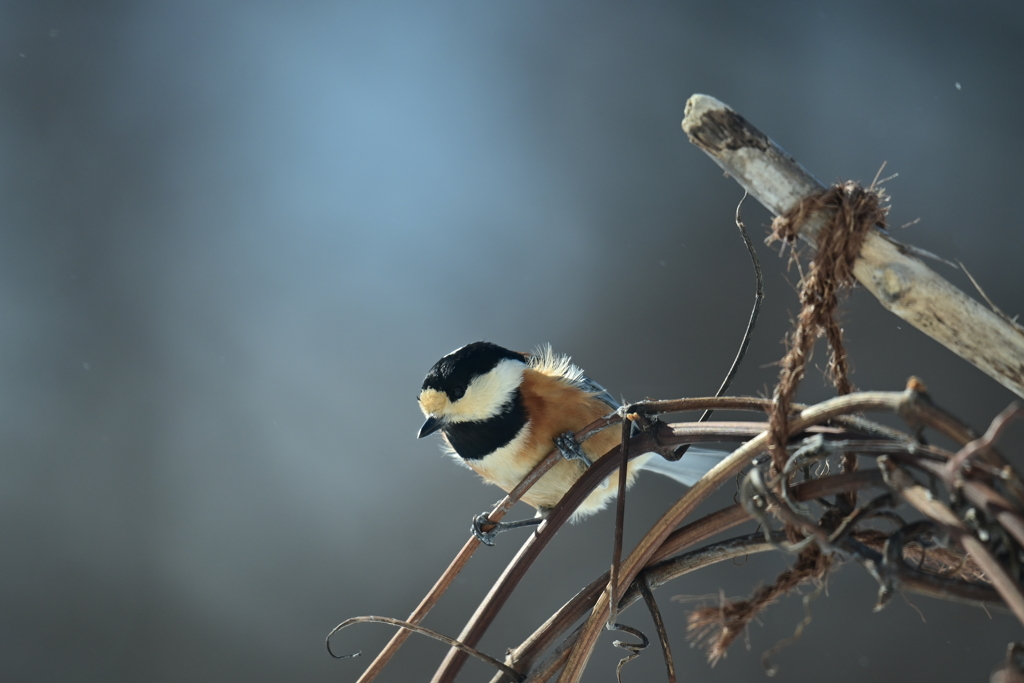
(687, 470)
(600, 393)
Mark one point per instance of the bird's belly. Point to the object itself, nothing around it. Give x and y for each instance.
(508, 466)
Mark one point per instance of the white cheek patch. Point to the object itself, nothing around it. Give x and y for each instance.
(506, 466)
(487, 394)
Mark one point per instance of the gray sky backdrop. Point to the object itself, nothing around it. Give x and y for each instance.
(234, 236)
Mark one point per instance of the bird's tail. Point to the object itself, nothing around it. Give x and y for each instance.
(694, 464)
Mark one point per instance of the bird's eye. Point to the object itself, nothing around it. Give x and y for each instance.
(457, 392)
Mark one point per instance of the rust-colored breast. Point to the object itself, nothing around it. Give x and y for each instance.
(554, 407)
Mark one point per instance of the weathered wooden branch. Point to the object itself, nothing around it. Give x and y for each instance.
(900, 282)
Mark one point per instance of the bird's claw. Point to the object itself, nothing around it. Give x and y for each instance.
(485, 537)
(570, 448)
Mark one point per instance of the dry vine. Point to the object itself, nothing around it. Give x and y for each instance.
(948, 523)
(978, 499)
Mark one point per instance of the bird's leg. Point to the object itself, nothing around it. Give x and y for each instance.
(487, 537)
(570, 448)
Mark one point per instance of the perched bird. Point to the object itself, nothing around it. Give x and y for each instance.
(501, 412)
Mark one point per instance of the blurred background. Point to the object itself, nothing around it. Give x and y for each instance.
(234, 236)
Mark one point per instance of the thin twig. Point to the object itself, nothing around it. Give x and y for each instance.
(1003, 419)
(414, 628)
(995, 309)
(634, 648)
(620, 518)
(659, 625)
(456, 566)
(758, 298)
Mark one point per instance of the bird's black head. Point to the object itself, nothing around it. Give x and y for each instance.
(470, 384)
(453, 373)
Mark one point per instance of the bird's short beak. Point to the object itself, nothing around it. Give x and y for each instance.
(431, 425)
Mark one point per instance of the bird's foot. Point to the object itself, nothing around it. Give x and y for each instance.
(570, 448)
(487, 537)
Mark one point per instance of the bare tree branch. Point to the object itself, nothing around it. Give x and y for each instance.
(900, 282)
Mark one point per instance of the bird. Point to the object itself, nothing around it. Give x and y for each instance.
(501, 412)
